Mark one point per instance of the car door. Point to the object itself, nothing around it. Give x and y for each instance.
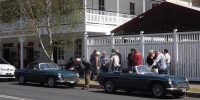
(139, 81)
(125, 80)
(32, 73)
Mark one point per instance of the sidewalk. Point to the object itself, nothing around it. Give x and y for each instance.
(194, 86)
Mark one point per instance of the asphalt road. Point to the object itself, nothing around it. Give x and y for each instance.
(13, 91)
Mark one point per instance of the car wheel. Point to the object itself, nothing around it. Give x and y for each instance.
(71, 85)
(109, 86)
(158, 90)
(178, 95)
(51, 82)
(21, 80)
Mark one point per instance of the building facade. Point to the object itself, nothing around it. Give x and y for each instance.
(101, 16)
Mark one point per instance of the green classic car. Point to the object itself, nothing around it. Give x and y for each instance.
(49, 73)
(141, 78)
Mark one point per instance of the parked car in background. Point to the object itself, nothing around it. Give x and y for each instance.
(6, 70)
(141, 78)
(49, 73)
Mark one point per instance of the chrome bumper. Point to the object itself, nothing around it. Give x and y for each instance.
(177, 89)
(7, 77)
(67, 80)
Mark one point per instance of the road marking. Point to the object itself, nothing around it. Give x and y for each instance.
(14, 98)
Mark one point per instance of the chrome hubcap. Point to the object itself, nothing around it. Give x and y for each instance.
(158, 90)
(51, 81)
(109, 86)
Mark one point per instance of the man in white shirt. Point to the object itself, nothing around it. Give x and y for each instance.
(168, 60)
(115, 62)
(161, 62)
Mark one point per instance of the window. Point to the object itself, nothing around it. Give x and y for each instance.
(8, 45)
(132, 8)
(78, 48)
(102, 5)
(60, 52)
(155, 4)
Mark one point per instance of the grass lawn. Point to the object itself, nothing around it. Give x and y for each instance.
(194, 90)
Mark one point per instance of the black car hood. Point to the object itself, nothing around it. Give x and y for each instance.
(64, 73)
(175, 79)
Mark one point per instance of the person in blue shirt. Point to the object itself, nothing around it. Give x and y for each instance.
(104, 60)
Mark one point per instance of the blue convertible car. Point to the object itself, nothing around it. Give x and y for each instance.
(141, 78)
(49, 73)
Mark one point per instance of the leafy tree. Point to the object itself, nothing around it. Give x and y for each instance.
(44, 18)
(9, 11)
(196, 3)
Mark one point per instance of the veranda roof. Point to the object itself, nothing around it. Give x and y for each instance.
(163, 18)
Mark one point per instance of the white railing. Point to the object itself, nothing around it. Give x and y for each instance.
(106, 17)
(9, 26)
(93, 16)
(183, 47)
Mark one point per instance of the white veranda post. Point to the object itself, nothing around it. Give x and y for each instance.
(21, 40)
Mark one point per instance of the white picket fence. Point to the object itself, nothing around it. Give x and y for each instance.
(184, 48)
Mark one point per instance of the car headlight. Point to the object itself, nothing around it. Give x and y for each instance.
(169, 81)
(77, 74)
(186, 80)
(59, 75)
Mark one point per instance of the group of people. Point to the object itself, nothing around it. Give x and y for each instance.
(102, 63)
(157, 61)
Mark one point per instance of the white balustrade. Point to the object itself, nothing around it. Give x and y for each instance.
(186, 53)
(105, 17)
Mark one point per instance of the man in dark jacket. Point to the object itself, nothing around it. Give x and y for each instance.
(86, 66)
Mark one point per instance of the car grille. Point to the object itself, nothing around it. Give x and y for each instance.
(71, 79)
(182, 85)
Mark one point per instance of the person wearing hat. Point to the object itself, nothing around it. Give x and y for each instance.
(136, 57)
(86, 66)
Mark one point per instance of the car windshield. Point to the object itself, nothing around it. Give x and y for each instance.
(143, 69)
(49, 66)
(3, 61)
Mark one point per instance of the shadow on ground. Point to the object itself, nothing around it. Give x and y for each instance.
(136, 94)
(29, 84)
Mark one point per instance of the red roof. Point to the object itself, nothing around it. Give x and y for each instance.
(163, 18)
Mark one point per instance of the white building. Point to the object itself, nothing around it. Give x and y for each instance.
(102, 16)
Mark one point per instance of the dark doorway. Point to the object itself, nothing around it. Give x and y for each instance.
(30, 54)
(6, 54)
(55, 52)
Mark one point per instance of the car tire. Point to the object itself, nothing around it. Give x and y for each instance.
(158, 90)
(21, 80)
(51, 82)
(178, 95)
(109, 86)
(71, 85)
